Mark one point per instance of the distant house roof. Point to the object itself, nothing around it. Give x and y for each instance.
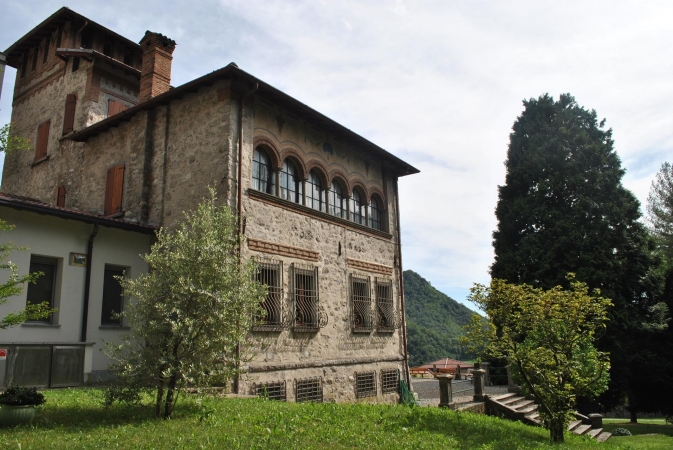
(33, 205)
(445, 364)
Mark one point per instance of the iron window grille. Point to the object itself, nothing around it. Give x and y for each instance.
(365, 384)
(361, 304)
(390, 380)
(272, 391)
(308, 315)
(308, 390)
(270, 273)
(385, 310)
(263, 176)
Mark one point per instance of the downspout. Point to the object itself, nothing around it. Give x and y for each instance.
(399, 259)
(87, 284)
(239, 204)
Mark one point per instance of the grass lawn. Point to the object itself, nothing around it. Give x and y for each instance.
(74, 419)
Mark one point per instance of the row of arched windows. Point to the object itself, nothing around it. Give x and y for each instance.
(328, 199)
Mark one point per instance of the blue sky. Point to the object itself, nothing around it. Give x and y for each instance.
(437, 83)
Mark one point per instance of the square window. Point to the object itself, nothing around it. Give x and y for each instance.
(365, 384)
(270, 273)
(390, 380)
(113, 297)
(272, 391)
(361, 305)
(44, 288)
(308, 390)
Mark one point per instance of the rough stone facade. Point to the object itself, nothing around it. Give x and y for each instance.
(177, 143)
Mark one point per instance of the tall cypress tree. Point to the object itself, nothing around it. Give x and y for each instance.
(563, 209)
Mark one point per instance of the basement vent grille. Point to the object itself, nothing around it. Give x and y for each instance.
(272, 391)
(390, 380)
(309, 390)
(365, 384)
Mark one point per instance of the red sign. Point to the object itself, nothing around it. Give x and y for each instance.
(3, 354)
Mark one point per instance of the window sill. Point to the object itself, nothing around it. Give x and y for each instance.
(38, 161)
(40, 325)
(113, 327)
(272, 199)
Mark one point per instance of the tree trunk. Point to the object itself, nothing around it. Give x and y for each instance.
(634, 415)
(170, 403)
(633, 411)
(160, 398)
(556, 429)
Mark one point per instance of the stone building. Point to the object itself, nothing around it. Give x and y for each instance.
(318, 203)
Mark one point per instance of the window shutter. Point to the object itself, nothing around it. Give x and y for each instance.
(115, 107)
(114, 188)
(108, 191)
(60, 196)
(42, 140)
(69, 116)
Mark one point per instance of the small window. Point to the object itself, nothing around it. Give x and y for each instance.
(42, 142)
(75, 63)
(272, 391)
(315, 194)
(44, 288)
(263, 177)
(336, 200)
(358, 208)
(114, 189)
(308, 390)
(384, 305)
(390, 380)
(60, 196)
(306, 300)
(87, 39)
(375, 215)
(69, 114)
(270, 273)
(58, 38)
(361, 305)
(113, 297)
(45, 55)
(365, 384)
(290, 185)
(115, 107)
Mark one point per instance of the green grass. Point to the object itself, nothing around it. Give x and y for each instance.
(74, 419)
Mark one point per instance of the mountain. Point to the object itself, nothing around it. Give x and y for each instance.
(434, 322)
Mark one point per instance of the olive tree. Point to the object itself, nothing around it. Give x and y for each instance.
(191, 312)
(10, 142)
(547, 336)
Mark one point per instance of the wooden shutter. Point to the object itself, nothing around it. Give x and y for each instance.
(60, 196)
(115, 107)
(69, 116)
(114, 188)
(42, 140)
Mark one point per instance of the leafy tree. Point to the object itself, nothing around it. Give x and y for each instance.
(14, 285)
(10, 142)
(193, 309)
(548, 337)
(563, 209)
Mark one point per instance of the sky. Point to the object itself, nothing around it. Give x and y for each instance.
(437, 83)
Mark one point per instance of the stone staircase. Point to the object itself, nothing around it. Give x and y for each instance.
(512, 406)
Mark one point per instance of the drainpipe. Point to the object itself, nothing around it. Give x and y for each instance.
(239, 202)
(399, 258)
(87, 284)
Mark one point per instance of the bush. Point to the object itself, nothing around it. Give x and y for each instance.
(621, 432)
(21, 396)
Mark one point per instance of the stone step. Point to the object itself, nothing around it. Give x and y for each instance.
(534, 416)
(582, 429)
(500, 398)
(594, 432)
(604, 436)
(512, 401)
(574, 424)
(528, 409)
(524, 404)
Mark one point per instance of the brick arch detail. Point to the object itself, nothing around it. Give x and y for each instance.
(343, 179)
(298, 159)
(320, 168)
(271, 149)
(375, 191)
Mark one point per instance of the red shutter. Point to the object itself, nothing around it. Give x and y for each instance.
(60, 196)
(69, 116)
(115, 107)
(114, 189)
(42, 140)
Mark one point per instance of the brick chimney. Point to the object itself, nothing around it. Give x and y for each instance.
(155, 75)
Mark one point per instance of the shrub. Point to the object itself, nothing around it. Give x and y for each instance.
(21, 396)
(621, 432)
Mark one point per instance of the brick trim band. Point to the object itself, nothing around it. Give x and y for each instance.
(327, 363)
(369, 267)
(283, 250)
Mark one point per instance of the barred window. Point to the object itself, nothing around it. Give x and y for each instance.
(270, 273)
(358, 208)
(315, 194)
(306, 300)
(365, 384)
(390, 380)
(272, 391)
(361, 304)
(384, 305)
(263, 177)
(308, 390)
(375, 214)
(290, 184)
(337, 202)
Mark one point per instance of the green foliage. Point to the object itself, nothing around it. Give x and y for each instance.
(621, 432)
(660, 210)
(14, 286)
(21, 396)
(434, 322)
(548, 338)
(10, 143)
(563, 209)
(193, 310)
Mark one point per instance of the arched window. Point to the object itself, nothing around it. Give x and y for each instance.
(315, 195)
(263, 178)
(375, 214)
(358, 208)
(290, 185)
(336, 200)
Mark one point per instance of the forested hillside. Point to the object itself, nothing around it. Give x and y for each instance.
(434, 322)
